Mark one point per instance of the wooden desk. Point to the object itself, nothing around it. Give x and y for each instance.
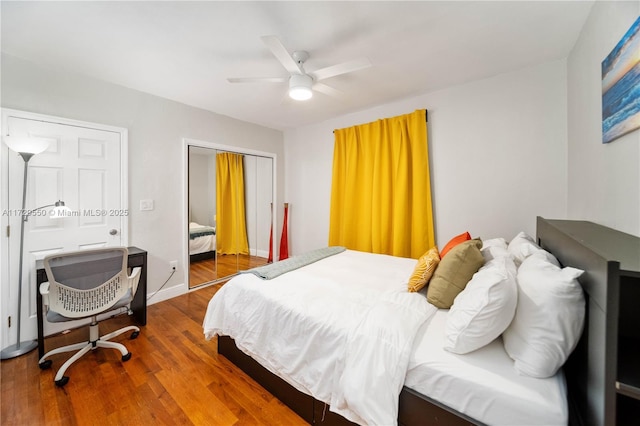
(137, 258)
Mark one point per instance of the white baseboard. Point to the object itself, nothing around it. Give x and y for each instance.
(259, 253)
(167, 293)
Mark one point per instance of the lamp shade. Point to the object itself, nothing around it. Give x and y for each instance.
(300, 87)
(26, 145)
(60, 210)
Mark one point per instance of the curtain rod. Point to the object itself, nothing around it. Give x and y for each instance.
(426, 117)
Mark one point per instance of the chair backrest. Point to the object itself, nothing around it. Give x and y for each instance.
(87, 282)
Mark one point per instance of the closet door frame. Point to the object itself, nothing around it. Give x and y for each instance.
(186, 143)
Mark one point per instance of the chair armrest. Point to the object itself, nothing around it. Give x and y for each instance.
(44, 291)
(134, 278)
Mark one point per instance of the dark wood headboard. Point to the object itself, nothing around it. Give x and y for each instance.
(592, 368)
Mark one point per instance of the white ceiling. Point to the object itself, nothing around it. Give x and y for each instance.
(185, 51)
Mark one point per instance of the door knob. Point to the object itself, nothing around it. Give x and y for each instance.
(113, 232)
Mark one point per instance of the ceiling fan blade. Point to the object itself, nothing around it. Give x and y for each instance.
(282, 54)
(327, 90)
(343, 68)
(258, 80)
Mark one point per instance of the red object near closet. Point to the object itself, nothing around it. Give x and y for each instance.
(284, 240)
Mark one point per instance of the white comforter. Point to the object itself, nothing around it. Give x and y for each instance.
(340, 329)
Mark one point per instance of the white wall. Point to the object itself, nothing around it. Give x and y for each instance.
(201, 189)
(498, 154)
(604, 179)
(156, 129)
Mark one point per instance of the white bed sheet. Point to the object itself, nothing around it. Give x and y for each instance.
(483, 384)
(201, 244)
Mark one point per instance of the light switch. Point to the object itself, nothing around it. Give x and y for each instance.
(146, 205)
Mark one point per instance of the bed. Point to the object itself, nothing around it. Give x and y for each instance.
(324, 378)
(202, 242)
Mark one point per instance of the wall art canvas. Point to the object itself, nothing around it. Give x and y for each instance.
(621, 87)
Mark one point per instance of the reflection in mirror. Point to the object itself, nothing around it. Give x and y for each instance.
(230, 197)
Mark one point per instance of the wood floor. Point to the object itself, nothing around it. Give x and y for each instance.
(204, 271)
(175, 377)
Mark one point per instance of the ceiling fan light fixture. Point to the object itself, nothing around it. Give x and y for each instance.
(300, 87)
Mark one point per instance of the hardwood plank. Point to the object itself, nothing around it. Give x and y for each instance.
(204, 271)
(167, 403)
(233, 386)
(174, 377)
(199, 406)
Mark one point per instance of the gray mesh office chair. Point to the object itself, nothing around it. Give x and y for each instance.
(84, 284)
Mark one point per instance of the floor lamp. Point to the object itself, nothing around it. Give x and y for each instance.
(27, 148)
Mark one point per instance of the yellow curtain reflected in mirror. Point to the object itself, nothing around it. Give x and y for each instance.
(381, 191)
(231, 228)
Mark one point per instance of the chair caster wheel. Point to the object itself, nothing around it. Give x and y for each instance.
(45, 365)
(60, 383)
(134, 335)
(126, 357)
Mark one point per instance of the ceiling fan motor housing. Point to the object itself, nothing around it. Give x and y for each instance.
(300, 56)
(300, 87)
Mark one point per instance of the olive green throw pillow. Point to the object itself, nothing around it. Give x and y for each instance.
(454, 272)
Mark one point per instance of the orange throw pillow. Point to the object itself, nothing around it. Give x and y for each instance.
(454, 242)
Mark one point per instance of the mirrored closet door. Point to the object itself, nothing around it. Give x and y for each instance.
(229, 208)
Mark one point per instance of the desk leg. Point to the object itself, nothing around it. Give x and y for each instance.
(40, 325)
(139, 302)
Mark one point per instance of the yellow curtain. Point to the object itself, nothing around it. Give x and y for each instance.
(381, 190)
(231, 227)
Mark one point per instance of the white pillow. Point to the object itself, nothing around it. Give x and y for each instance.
(549, 317)
(494, 248)
(484, 309)
(494, 242)
(523, 246)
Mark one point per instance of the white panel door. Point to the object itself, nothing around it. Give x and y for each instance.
(81, 167)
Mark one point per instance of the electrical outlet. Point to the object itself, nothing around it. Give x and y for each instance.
(173, 265)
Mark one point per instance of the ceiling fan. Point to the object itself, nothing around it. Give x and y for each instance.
(301, 82)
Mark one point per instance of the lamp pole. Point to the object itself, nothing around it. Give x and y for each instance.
(21, 348)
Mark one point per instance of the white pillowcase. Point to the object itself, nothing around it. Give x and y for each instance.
(549, 317)
(484, 309)
(523, 246)
(494, 242)
(494, 248)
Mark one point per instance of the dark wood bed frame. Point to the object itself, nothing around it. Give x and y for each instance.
(591, 382)
(202, 256)
(414, 408)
